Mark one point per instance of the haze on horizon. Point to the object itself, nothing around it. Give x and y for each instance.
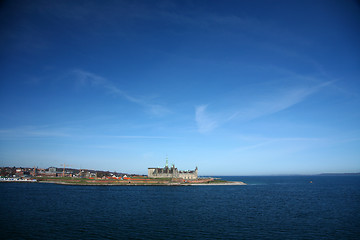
(233, 87)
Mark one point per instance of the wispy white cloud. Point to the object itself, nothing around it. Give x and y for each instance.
(281, 101)
(204, 122)
(250, 138)
(33, 132)
(271, 104)
(253, 146)
(99, 128)
(138, 137)
(258, 142)
(48, 132)
(88, 78)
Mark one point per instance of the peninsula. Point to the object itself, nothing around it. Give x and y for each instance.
(166, 176)
(137, 181)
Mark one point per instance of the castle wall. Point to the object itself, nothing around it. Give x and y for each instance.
(172, 173)
(150, 172)
(189, 175)
(163, 172)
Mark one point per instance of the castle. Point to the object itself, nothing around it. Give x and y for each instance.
(172, 172)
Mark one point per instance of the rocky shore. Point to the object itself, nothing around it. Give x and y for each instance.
(218, 184)
(121, 183)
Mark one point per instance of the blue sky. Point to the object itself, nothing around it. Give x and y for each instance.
(233, 87)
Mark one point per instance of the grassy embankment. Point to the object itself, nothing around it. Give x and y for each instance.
(137, 180)
(128, 181)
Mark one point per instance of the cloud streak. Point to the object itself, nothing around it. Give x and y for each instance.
(33, 132)
(137, 137)
(44, 132)
(204, 122)
(268, 105)
(279, 102)
(267, 141)
(88, 78)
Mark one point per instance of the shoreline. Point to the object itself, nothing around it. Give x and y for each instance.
(220, 184)
(150, 184)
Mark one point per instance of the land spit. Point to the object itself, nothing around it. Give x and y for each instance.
(140, 183)
(218, 184)
(146, 184)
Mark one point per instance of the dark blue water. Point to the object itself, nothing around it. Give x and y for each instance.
(267, 208)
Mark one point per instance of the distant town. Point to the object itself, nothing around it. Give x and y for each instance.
(26, 172)
(70, 176)
(53, 172)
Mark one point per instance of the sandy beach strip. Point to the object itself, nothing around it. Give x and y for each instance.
(218, 184)
(145, 184)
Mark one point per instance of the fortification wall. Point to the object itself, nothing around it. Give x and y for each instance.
(152, 173)
(160, 173)
(188, 175)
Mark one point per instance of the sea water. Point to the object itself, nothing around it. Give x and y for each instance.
(303, 207)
